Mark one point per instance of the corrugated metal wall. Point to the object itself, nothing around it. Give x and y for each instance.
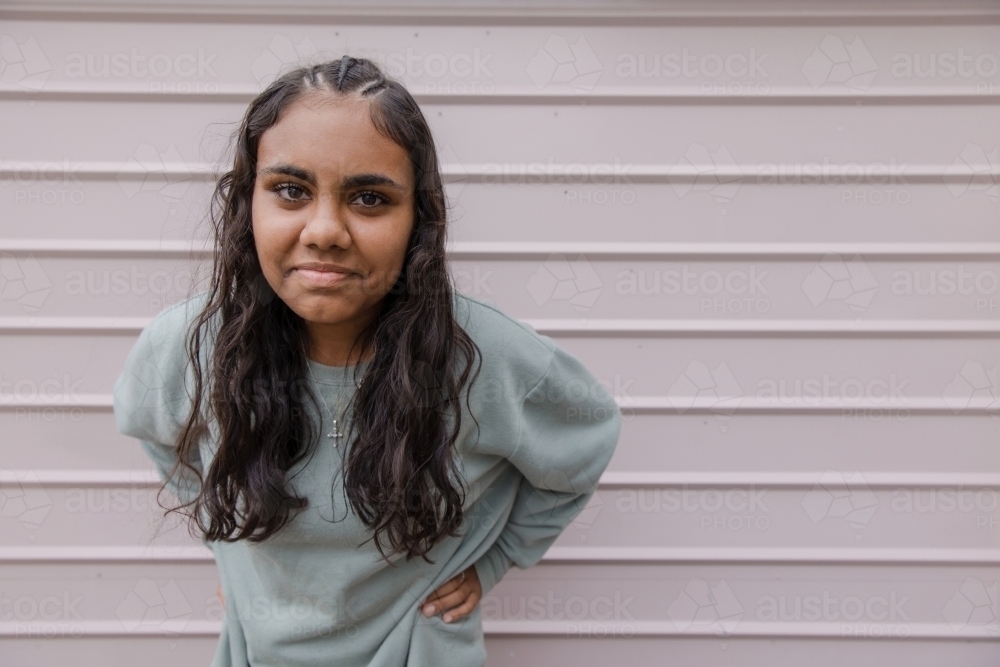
(771, 228)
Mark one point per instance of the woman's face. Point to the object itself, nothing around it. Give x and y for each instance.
(332, 212)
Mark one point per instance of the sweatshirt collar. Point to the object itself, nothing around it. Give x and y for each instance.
(337, 375)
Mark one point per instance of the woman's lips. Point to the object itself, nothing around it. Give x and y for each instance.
(317, 278)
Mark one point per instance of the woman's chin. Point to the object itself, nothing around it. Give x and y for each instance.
(322, 308)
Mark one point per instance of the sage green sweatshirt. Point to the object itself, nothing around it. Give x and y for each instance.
(317, 592)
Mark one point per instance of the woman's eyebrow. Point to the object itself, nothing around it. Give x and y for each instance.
(361, 180)
(290, 170)
(357, 180)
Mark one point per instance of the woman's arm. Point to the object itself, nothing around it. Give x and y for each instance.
(152, 399)
(568, 429)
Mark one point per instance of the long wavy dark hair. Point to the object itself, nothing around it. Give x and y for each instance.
(400, 474)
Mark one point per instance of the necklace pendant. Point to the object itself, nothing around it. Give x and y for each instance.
(335, 434)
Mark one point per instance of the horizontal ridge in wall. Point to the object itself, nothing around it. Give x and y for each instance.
(724, 629)
(495, 12)
(702, 555)
(420, 12)
(522, 95)
(524, 250)
(680, 405)
(596, 327)
(610, 479)
(580, 173)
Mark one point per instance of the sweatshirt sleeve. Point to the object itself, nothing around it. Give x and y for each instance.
(152, 397)
(568, 427)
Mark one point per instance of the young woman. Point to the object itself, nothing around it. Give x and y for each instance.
(365, 450)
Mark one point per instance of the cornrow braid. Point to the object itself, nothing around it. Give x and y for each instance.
(341, 72)
(346, 63)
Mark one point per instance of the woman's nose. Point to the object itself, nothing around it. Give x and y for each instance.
(327, 225)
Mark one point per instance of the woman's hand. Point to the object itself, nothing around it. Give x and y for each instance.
(456, 597)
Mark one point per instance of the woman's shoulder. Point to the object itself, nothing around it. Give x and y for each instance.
(501, 337)
(175, 319)
(151, 395)
(165, 336)
(535, 397)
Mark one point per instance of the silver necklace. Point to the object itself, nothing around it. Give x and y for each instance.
(336, 433)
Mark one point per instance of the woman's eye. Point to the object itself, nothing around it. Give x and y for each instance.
(370, 199)
(289, 192)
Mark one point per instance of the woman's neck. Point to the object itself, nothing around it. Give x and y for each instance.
(330, 344)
